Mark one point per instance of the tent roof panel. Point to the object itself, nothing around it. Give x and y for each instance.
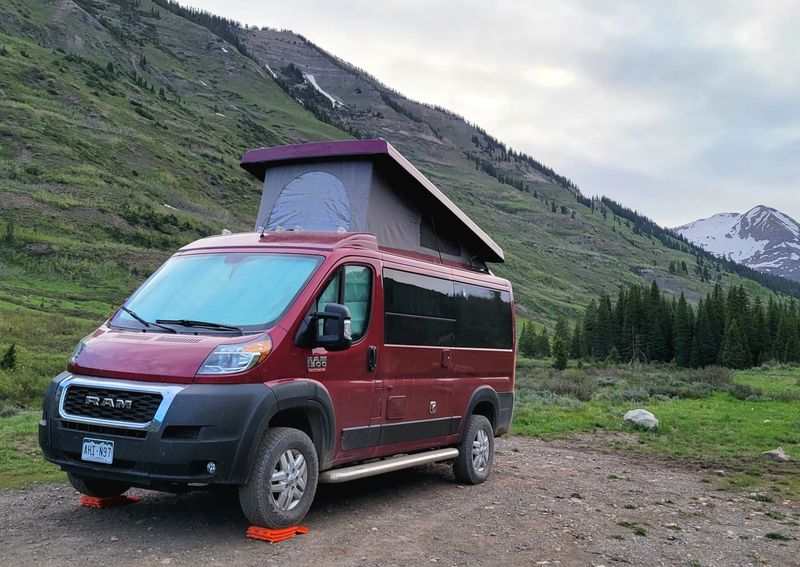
(257, 162)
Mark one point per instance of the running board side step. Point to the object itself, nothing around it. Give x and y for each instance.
(387, 465)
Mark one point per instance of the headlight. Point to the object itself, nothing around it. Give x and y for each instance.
(229, 359)
(78, 350)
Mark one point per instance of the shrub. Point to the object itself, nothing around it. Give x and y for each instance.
(695, 390)
(743, 391)
(715, 376)
(9, 360)
(548, 398)
(637, 394)
(570, 383)
(784, 396)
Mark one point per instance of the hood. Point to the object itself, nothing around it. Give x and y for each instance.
(150, 357)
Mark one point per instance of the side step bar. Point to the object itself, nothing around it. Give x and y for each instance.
(387, 465)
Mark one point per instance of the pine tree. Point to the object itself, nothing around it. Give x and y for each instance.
(734, 353)
(758, 333)
(606, 328)
(9, 360)
(559, 352)
(527, 340)
(562, 329)
(591, 333)
(577, 342)
(543, 345)
(683, 333)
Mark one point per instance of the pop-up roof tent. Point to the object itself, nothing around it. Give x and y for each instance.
(365, 186)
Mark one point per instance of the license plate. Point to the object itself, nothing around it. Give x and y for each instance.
(97, 450)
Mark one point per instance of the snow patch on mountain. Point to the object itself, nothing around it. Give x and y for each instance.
(313, 82)
(763, 238)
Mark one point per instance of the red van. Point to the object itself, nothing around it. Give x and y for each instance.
(357, 331)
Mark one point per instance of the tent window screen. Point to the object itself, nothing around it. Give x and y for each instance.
(351, 286)
(428, 311)
(429, 237)
(312, 201)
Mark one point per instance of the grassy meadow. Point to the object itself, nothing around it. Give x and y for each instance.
(713, 418)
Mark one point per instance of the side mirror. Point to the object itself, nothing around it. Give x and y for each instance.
(336, 334)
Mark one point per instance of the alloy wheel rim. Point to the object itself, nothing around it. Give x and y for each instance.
(288, 480)
(480, 451)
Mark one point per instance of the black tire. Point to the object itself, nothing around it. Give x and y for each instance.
(475, 451)
(98, 488)
(259, 502)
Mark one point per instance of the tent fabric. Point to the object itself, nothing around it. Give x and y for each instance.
(354, 195)
(366, 168)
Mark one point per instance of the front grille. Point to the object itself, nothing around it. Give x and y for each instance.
(103, 430)
(112, 404)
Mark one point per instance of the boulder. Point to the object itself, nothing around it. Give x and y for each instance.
(641, 418)
(776, 455)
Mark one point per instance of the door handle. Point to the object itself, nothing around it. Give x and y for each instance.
(372, 358)
(447, 358)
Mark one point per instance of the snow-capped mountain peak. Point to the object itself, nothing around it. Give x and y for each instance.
(763, 238)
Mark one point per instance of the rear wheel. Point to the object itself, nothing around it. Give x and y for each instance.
(98, 488)
(475, 451)
(283, 480)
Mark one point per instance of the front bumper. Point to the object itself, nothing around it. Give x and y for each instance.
(193, 425)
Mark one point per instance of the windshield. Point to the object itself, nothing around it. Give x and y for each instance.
(246, 290)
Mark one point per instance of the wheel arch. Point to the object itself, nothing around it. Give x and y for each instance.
(484, 401)
(301, 404)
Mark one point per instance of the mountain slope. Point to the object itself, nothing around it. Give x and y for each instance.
(123, 122)
(763, 238)
(553, 258)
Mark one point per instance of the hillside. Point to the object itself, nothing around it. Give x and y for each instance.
(122, 127)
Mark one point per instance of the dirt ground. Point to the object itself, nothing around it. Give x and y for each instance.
(545, 504)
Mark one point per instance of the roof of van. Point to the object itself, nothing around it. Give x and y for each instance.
(259, 160)
(288, 239)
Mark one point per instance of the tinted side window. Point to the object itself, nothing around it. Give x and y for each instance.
(483, 317)
(428, 311)
(419, 309)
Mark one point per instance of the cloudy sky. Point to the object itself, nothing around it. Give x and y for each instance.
(679, 110)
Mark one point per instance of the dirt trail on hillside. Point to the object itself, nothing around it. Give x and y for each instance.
(545, 504)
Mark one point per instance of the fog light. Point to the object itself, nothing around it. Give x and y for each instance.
(211, 468)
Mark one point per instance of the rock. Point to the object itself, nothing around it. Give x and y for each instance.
(641, 418)
(776, 454)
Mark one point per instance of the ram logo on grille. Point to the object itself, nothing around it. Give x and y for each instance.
(108, 402)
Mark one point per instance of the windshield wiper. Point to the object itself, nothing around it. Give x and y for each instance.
(144, 322)
(206, 324)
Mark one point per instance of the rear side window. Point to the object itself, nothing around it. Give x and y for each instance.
(428, 311)
(483, 317)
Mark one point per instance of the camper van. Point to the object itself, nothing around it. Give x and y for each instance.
(356, 331)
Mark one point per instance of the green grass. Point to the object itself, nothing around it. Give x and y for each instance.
(715, 431)
(21, 461)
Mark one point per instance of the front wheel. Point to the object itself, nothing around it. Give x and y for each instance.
(97, 488)
(283, 480)
(475, 451)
